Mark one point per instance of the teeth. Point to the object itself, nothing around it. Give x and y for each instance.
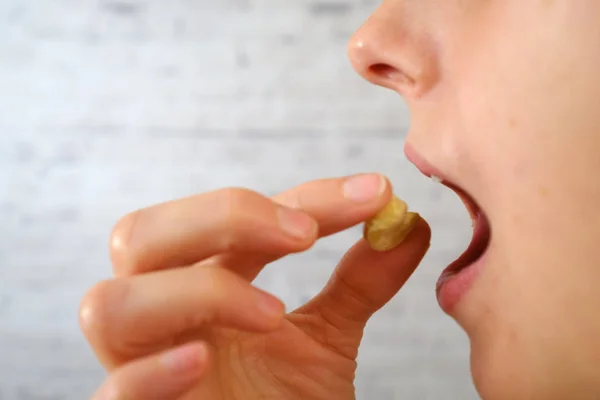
(436, 179)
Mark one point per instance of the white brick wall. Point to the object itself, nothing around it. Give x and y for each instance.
(107, 106)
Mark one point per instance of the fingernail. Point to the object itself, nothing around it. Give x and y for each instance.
(269, 306)
(364, 187)
(184, 359)
(296, 223)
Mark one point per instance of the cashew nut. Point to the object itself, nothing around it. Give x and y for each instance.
(391, 226)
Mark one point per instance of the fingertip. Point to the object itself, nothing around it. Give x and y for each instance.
(119, 244)
(417, 243)
(300, 229)
(410, 252)
(191, 358)
(368, 189)
(271, 309)
(422, 230)
(167, 375)
(387, 185)
(386, 194)
(297, 224)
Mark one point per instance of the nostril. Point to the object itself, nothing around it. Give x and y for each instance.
(388, 72)
(383, 70)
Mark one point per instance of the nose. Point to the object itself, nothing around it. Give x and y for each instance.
(393, 51)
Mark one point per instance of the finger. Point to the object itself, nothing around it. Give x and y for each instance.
(365, 280)
(166, 376)
(186, 231)
(336, 204)
(339, 203)
(130, 317)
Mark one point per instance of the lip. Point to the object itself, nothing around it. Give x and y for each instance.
(457, 279)
(422, 165)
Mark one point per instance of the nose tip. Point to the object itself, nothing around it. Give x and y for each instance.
(385, 54)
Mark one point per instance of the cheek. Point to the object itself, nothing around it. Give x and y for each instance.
(531, 150)
(537, 186)
(531, 139)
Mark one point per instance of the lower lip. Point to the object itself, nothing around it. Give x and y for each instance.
(452, 286)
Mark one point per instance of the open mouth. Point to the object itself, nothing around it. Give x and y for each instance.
(480, 239)
(460, 274)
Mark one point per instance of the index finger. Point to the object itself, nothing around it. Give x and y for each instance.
(339, 203)
(241, 224)
(335, 203)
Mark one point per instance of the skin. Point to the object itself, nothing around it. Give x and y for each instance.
(169, 291)
(504, 102)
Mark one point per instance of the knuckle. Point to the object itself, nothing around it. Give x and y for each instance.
(214, 282)
(238, 207)
(235, 201)
(209, 296)
(121, 252)
(355, 294)
(115, 387)
(95, 309)
(292, 199)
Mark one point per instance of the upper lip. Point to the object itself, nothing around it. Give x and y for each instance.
(430, 171)
(422, 165)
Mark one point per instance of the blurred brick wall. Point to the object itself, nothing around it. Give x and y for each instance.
(107, 106)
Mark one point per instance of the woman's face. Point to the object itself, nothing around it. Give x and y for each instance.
(505, 104)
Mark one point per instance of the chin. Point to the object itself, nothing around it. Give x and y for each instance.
(507, 362)
(506, 376)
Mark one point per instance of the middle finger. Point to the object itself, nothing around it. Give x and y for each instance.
(186, 231)
(127, 317)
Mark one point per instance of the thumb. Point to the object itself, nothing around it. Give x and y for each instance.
(365, 280)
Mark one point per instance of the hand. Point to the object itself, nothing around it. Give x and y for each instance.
(181, 320)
